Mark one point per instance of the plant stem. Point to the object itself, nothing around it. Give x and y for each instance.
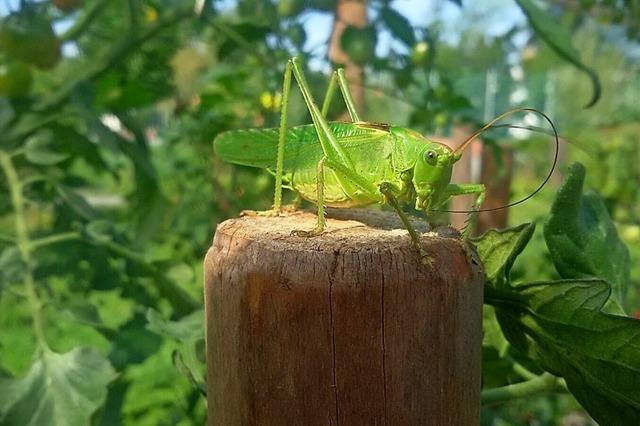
(24, 247)
(523, 371)
(53, 239)
(544, 383)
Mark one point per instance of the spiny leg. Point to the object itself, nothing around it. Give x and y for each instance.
(330, 145)
(339, 77)
(478, 189)
(286, 87)
(337, 158)
(328, 97)
(346, 94)
(321, 224)
(387, 190)
(276, 209)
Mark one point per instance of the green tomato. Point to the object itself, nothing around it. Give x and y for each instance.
(15, 79)
(441, 119)
(420, 53)
(29, 37)
(288, 8)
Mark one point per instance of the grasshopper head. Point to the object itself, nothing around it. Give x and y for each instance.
(432, 173)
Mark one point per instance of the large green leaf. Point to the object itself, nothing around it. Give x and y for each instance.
(60, 389)
(561, 325)
(499, 249)
(582, 238)
(559, 39)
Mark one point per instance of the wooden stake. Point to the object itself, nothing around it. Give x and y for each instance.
(346, 328)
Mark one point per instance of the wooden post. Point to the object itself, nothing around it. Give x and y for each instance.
(346, 328)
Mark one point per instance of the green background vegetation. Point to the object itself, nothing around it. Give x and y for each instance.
(110, 193)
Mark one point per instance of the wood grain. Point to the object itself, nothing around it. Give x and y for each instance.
(347, 328)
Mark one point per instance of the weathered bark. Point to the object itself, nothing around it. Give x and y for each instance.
(345, 328)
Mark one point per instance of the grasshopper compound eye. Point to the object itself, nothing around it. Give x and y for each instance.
(431, 157)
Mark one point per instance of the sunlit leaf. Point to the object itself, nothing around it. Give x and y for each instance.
(561, 326)
(499, 249)
(582, 238)
(189, 332)
(187, 328)
(59, 390)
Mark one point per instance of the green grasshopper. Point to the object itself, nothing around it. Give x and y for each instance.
(350, 164)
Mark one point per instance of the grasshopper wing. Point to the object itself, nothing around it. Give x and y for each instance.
(259, 147)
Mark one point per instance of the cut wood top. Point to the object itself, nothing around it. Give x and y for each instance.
(347, 229)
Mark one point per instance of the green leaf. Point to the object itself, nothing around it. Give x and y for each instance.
(187, 328)
(39, 149)
(399, 26)
(499, 249)
(189, 332)
(582, 238)
(85, 313)
(561, 326)
(189, 372)
(60, 389)
(76, 202)
(492, 335)
(359, 43)
(559, 39)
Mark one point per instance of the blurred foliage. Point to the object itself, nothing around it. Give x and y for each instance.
(109, 193)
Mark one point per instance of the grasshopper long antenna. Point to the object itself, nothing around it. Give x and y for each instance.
(492, 124)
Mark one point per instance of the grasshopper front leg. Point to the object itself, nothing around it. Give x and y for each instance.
(478, 189)
(387, 190)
